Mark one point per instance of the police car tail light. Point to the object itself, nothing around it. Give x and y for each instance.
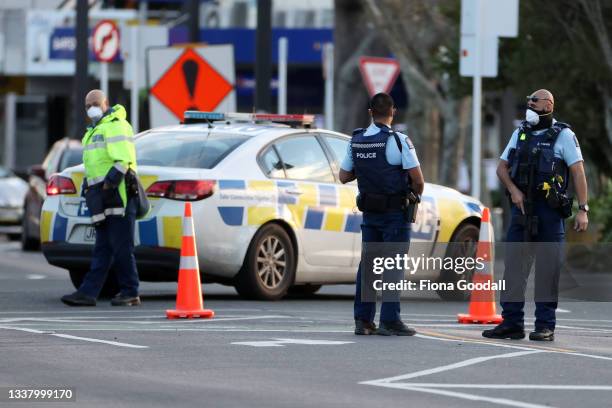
(60, 185)
(183, 190)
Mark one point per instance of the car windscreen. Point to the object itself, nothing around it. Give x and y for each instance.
(71, 157)
(185, 149)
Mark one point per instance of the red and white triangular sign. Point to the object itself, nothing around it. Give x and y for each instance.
(379, 74)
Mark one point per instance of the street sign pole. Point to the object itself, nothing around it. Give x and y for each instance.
(328, 60)
(104, 78)
(476, 107)
(283, 51)
(134, 117)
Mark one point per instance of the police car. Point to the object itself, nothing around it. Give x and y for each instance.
(270, 215)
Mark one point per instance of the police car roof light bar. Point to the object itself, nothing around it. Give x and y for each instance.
(209, 117)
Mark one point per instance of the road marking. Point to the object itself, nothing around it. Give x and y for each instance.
(69, 336)
(563, 310)
(282, 342)
(470, 397)
(514, 386)
(34, 276)
(76, 319)
(448, 367)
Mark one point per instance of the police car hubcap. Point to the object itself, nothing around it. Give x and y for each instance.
(271, 262)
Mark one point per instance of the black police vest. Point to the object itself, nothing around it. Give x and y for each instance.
(374, 173)
(539, 150)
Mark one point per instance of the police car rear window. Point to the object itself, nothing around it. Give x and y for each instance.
(185, 149)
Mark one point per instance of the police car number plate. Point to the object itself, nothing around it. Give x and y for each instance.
(90, 234)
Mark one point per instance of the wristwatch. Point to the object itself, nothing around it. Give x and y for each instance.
(584, 207)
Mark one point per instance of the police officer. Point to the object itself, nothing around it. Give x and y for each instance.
(386, 167)
(108, 154)
(535, 166)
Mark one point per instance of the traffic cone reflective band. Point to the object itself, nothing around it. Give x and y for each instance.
(189, 303)
(482, 302)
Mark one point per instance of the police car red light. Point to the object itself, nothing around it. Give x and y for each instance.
(60, 185)
(183, 190)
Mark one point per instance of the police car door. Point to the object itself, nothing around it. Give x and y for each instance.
(316, 208)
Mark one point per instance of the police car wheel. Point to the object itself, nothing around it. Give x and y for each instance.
(269, 265)
(463, 244)
(110, 288)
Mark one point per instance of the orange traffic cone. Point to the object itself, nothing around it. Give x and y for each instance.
(189, 303)
(482, 302)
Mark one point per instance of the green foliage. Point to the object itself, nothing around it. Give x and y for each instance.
(601, 211)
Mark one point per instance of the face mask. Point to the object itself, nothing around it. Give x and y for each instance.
(95, 113)
(532, 117)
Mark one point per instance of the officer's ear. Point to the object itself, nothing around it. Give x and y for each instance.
(370, 112)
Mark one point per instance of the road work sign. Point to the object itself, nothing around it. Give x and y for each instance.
(189, 78)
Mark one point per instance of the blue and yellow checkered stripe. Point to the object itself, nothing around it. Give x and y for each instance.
(324, 207)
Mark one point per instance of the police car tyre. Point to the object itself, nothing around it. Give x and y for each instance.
(269, 265)
(110, 288)
(304, 289)
(28, 243)
(463, 244)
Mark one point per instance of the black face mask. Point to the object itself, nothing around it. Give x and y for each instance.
(545, 119)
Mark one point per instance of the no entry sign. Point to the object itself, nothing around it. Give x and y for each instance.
(105, 40)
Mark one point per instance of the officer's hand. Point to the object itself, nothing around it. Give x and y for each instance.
(518, 198)
(581, 221)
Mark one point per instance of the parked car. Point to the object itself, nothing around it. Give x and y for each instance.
(270, 214)
(64, 153)
(12, 191)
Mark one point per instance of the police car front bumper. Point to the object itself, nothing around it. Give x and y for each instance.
(154, 264)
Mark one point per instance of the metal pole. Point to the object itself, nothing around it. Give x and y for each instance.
(134, 53)
(9, 129)
(476, 107)
(263, 55)
(82, 60)
(283, 52)
(328, 61)
(194, 21)
(104, 78)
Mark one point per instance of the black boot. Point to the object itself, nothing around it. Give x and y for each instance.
(542, 335)
(123, 300)
(502, 331)
(364, 328)
(78, 299)
(396, 328)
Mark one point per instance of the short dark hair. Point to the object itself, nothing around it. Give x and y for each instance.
(382, 105)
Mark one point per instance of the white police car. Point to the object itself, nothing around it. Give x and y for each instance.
(270, 214)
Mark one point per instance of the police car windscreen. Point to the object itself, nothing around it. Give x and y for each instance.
(185, 149)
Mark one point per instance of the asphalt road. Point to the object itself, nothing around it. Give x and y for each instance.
(298, 352)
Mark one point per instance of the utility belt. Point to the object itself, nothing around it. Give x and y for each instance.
(384, 203)
(554, 197)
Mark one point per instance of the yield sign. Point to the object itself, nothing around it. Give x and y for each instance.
(379, 74)
(191, 84)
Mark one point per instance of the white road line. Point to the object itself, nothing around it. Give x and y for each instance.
(584, 355)
(69, 336)
(563, 310)
(282, 342)
(475, 341)
(448, 367)
(76, 320)
(514, 386)
(35, 276)
(225, 319)
(470, 397)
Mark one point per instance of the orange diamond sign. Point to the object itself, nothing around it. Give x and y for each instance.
(191, 84)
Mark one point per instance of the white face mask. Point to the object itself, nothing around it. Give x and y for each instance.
(532, 117)
(95, 113)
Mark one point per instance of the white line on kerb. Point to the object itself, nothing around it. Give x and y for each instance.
(69, 336)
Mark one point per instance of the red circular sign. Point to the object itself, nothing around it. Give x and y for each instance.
(105, 40)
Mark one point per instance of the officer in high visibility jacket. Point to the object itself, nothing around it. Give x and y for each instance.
(387, 170)
(108, 154)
